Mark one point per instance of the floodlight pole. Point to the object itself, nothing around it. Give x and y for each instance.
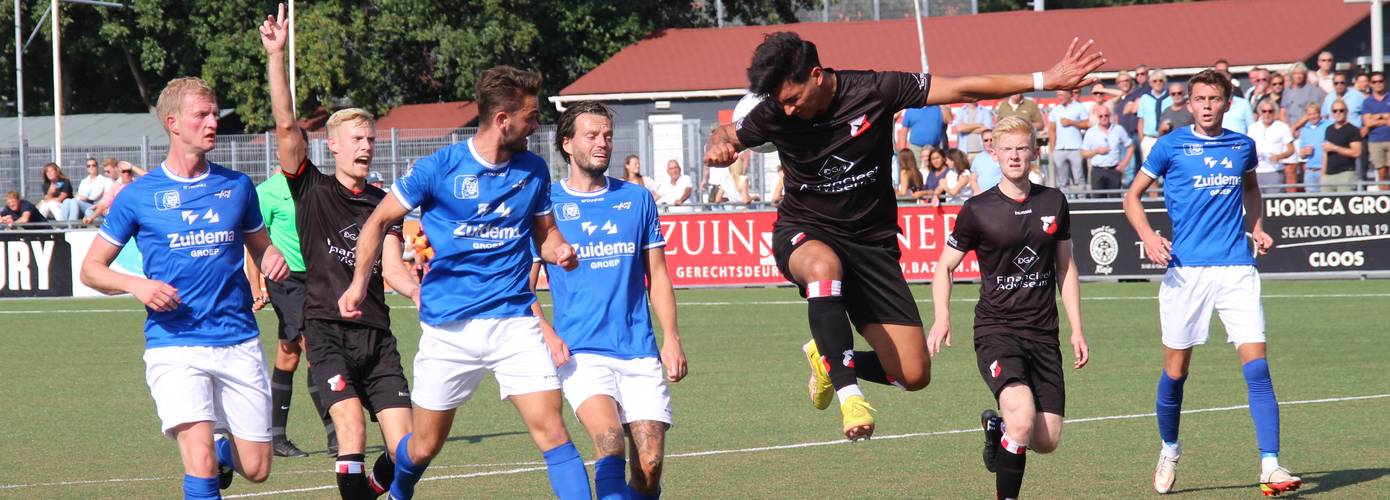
(1377, 37)
(57, 85)
(921, 42)
(19, 90)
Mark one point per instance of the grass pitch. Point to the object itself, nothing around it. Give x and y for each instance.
(76, 419)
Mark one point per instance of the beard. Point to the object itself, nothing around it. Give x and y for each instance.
(514, 144)
(591, 167)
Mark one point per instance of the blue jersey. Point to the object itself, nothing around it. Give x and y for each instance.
(1202, 178)
(189, 232)
(478, 218)
(601, 306)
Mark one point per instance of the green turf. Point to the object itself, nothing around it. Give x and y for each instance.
(76, 420)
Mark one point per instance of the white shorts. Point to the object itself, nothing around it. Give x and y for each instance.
(636, 384)
(454, 356)
(224, 385)
(1189, 294)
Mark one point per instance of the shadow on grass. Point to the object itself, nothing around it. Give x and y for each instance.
(473, 439)
(1313, 482)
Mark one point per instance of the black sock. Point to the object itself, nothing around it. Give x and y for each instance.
(327, 420)
(281, 388)
(868, 367)
(383, 473)
(352, 477)
(1008, 467)
(831, 331)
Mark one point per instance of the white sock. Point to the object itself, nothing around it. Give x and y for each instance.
(1172, 450)
(1268, 464)
(850, 390)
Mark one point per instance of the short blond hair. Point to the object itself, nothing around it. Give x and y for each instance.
(1015, 125)
(349, 115)
(171, 98)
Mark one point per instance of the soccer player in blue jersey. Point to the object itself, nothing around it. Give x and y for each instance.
(483, 202)
(190, 219)
(609, 364)
(1209, 177)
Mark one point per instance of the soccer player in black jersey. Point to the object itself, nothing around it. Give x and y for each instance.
(353, 360)
(836, 228)
(1021, 233)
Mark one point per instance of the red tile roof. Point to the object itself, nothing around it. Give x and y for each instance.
(1181, 35)
(444, 117)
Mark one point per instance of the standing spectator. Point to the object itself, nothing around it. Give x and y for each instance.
(933, 172)
(1127, 117)
(1106, 147)
(56, 189)
(1141, 76)
(1273, 143)
(1176, 116)
(1224, 67)
(1102, 97)
(1276, 94)
(956, 187)
(1151, 107)
(1299, 92)
(1064, 131)
(1341, 147)
(1376, 127)
(1018, 105)
(1310, 130)
(1323, 76)
(89, 191)
(1353, 99)
(1362, 83)
(924, 127)
(676, 189)
(1259, 84)
(969, 122)
(18, 213)
(986, 168)
(1239, 116)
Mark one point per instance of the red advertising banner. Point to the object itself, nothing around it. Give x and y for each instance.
(735, 248)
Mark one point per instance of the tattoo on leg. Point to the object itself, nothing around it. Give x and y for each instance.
(648, 450)
(609, 442)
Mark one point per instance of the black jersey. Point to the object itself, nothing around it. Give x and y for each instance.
(837, 167)
(1016, 243)
(329, 216)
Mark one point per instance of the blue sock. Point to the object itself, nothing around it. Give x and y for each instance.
(1168, 406)
(609, 478)
(407, 473)
(200, 488)
(568, 479)
(224, 452)
(1264, 408)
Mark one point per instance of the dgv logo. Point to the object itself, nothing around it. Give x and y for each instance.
(466, 187)
(1025, 259)
(166, 200)
(835, 167)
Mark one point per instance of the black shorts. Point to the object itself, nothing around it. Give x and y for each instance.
(350, 360)
(1005, 358)
(288, 299)
(872, 280)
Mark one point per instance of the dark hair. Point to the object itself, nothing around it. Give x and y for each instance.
(504, 88)
(564, 129)
(630, 158)
(958, 157)
(782, 57)
(1211, 77)
(1220, 61)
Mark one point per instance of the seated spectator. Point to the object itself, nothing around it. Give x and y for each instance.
(985, 167)
(933, 172)
(1341, 147)
(1273, 143)
(1310, 131)
(1107, 147)
(18, 213)
(56, 189)
(676, 189)
(778, 190)
(126, 175)
(959, 184)
(1177, 115)
(89, 191)
(734, 186)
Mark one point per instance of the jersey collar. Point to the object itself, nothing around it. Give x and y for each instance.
(1200, 135)
(176, 177)
(486, 164)
(564, 184)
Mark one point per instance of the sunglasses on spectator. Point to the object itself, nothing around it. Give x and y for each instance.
(1339, 82)
(1277, 82)
(1339, 110)
(1324, 59)
(1377, 81)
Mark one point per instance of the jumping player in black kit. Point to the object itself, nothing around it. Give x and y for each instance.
(836, 228)
(1021, 233)
(353, 360)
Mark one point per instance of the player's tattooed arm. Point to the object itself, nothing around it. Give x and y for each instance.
(723, 146)
(290, 143)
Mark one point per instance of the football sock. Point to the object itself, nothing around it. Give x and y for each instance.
(847, 392)
(1268, 462)
(281, 388)
(407, 473)
(565, 468)
(223, 445)
(200, 488)
(831, 330)
(1264, 408)
(1168, 406)
(318, 406)
(383, 473)
(1008, 467)
(609, 481)
(352, 479)
(868, 367)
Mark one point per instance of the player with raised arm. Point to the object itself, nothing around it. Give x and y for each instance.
(836, 228)
(609, 364)
(483, 203)
(190, 219)
(353, 359)
(1021, 233)
(1209, 178)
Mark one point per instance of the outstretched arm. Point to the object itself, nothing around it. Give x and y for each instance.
(289, 139)
(1071, 72)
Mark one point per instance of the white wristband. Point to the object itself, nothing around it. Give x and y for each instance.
(1037, 81)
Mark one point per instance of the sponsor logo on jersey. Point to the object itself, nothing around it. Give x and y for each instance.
(859, 125)
(1212, 162)
(835, 166)
(599, 250)
(349, 233)
(607, 227)
(466, 187)
(225, 194)
(166, 200)
(190, 216)
(1192, 149)
(568, 211)
(1049, 223)
(994, 370)
(200, 238)
(623, 206)
(486, 231)
(1025, 259)
(922, 80)
(1215, 181)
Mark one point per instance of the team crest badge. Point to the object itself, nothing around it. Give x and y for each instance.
(466, 187)
(569, 211)
(994, 370)
(1192, 149)
(167, 200)
(1049, 223)
(859, 125)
